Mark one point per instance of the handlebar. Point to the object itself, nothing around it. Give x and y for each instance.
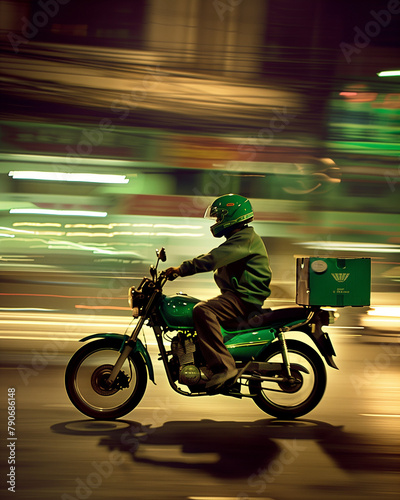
(171, 277)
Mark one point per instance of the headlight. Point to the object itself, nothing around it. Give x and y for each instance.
(136, 300)
(130, 298)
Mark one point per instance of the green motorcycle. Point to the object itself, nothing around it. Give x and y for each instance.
(107, 377)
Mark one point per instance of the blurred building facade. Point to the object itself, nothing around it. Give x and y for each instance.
(275, 99)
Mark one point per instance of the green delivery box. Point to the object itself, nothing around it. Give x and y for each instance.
(327, 281)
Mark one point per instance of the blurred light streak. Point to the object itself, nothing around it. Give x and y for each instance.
(57, 296)
(25, 309)
(393, 312)
(98, 226)
(49, 233)
(65, 318)
(190, 235)
(69, 245)
(13, 337)
(16, 259)
(395, 72)
(98, 235)
(58, 159)
(7, 235)
(68, 177)
(29, 266)
(37, 224)
(351, 247)
(56, 323)
(103, 308)
(16, 230)
(379, 415)
(72, 213)
(177, 226)
(124, 233)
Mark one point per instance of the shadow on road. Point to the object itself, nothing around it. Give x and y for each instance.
(234, 449)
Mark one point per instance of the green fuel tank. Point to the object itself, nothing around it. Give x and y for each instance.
(177, 310)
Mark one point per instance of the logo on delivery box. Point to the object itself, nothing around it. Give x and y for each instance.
(340, 277)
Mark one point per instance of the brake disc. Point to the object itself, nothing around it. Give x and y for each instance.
(100, 377)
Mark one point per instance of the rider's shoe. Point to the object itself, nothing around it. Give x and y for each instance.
(219, 379)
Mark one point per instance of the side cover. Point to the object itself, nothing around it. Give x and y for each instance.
(246, 345)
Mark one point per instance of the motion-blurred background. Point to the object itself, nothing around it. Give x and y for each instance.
(121, 121)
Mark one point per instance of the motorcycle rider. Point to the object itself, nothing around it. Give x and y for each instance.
(241, 271)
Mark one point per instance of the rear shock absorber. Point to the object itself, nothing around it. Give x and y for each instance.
(285, 356)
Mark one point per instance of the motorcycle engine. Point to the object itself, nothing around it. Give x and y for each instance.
(183, 348)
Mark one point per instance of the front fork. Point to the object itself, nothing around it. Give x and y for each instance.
(130, 344)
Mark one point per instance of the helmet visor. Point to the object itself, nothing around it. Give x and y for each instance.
(211, 213)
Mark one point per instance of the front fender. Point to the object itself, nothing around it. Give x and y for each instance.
(139, 348)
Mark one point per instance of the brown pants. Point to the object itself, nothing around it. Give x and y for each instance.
(207, 317)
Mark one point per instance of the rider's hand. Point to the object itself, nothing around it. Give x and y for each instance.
(172, 273)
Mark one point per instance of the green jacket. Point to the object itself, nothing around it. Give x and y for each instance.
(240, 265)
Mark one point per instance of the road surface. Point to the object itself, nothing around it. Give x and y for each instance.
(176, 448)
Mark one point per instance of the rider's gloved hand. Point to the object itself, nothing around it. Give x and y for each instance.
(172, 273)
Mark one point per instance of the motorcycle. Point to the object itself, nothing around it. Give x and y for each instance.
(107, 377)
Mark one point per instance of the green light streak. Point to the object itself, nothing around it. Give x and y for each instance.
(395, 72)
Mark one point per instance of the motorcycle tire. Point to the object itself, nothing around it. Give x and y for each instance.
(87, 372)
(288, 401)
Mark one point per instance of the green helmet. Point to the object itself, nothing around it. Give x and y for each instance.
(230, 211)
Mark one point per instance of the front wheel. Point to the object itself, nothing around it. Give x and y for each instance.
(288, 400)
(86, 380)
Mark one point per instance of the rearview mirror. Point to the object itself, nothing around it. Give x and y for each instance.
(161, 254)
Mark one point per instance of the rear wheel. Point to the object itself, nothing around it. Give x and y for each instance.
(86, 380)
(294, 398)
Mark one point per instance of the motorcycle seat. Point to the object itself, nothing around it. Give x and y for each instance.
(267, 317)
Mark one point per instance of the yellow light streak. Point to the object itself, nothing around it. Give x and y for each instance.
(37, 224)
(390, 311)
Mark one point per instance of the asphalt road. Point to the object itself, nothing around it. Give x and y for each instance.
(177, 448)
